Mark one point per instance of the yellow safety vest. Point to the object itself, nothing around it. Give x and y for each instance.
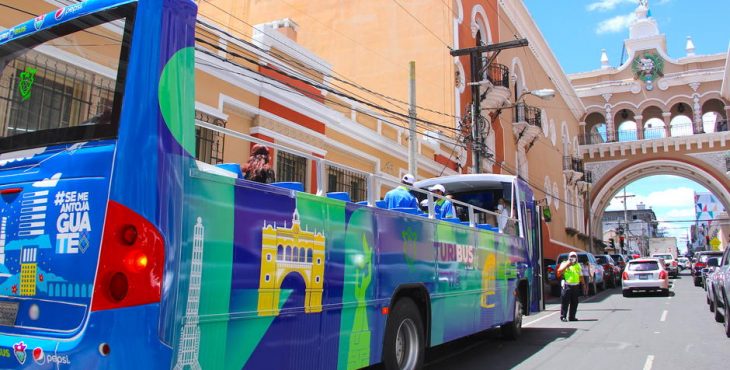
(572, 274)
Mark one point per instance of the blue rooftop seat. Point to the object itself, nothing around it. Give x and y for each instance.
(412, 211)
(231, 167)
(341, 195)
(381, 204)
(298, 186)
(362, 202)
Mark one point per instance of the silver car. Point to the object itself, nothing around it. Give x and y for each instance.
(647, 274)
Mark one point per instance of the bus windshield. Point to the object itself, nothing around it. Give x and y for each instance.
(63, 84)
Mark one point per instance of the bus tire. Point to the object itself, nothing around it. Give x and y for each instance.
(512, 330)
(404, 342)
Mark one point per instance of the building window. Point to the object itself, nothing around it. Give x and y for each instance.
(290, 167)
(316, 279)
(351, 182)
(267, 278)
(268, 257)
(319, 261)
(208, 143)
(62, 96)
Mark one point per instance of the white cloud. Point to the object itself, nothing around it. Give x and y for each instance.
(604, 5)
(615, 24)
(683, 213)
(676, 199)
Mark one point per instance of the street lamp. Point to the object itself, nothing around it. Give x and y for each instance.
(544, 94)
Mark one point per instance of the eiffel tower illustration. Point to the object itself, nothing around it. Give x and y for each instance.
(187, 353)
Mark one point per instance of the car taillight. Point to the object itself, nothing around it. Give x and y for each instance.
(700, 265)
(625, 276)
(674, 263)
(663, 274)
(130, 262)
(550, 270)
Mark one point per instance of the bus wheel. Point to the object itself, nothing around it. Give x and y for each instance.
(404, 343)
(513, 329)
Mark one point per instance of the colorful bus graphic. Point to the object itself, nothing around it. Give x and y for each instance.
(119, 250)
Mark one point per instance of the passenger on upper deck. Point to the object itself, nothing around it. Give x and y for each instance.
(503, 210)
(443, 208)
(258, 167)
(401, 197)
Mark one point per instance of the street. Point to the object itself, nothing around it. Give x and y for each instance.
(645, 331)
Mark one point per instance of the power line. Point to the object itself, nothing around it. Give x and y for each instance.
(270, 81)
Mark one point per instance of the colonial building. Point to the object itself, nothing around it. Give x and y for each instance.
(654, 114)
(330, 80)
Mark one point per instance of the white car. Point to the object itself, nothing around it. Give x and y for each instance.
(670, 263)
(683, 263)
(647, 274)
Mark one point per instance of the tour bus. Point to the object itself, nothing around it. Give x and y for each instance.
(119, 250)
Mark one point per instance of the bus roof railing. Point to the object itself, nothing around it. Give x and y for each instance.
(374, 181)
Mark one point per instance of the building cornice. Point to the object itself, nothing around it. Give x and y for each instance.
(669, 80)
(519, 15)
(678, 62)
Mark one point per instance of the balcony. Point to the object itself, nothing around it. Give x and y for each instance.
(527, 123)
(496, 92)
(649, 133)
(572, 168)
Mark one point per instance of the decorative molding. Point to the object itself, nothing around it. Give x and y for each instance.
(526, 27)
(599, 169)
(694, 86)
(607, 96)
(715, 160)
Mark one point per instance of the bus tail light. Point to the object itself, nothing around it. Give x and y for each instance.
(130, 262)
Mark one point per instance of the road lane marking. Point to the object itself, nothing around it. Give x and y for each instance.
(542, 318)
(664, 316)
(649, 362)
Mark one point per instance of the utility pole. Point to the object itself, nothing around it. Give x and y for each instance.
(475, 55)
(626, 214)
(413, 142)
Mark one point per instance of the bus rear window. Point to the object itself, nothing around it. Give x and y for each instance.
(63, 84)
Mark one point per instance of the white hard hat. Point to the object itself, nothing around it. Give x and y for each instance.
(437, 187)
(408, 179)
(571, 254)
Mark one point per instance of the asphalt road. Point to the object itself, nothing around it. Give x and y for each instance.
(642, 332)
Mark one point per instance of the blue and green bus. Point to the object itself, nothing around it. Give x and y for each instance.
(119, 250)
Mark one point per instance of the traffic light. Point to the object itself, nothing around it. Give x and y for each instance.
(621, 242)
(612, 243)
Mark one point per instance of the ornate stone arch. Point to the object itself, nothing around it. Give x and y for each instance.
(518, 75)
(480, 22)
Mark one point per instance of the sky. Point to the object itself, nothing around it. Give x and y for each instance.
(671, 198)
(603, 24)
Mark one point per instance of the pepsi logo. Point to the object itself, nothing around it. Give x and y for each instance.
(38, 356)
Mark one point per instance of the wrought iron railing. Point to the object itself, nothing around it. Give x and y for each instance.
(498, 75)
(526, 113)
(588, 176)
(571, 163)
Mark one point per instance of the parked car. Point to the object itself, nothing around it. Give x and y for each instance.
(592, 270)
(670, 263)
(712, 264)
(720, 290)
(683, 263)
(647, 274)
(620, 260)
(700, 263)
(552, 279)
(611, 271)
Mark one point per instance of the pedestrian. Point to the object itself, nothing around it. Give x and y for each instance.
(504, 213)
(443, 207)
(401, 197)
(572, 279)
(258, 167)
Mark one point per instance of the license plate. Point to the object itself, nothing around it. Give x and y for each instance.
(8, 313)
(643, 277)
